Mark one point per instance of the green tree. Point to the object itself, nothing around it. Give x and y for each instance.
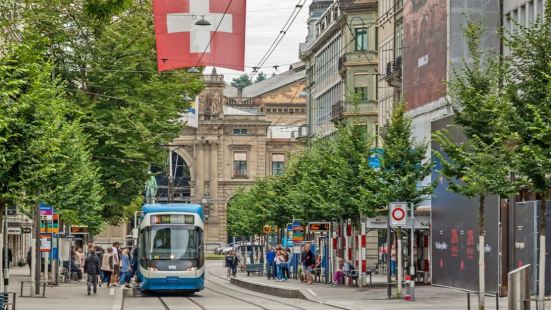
(260, 77)
(481, 165)
(44, 157)
(241, 82)
(529, 90)
(104, 53)
(403, 169)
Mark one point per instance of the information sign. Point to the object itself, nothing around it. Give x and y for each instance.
(298, 231)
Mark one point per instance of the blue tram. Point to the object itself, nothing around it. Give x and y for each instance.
(171, 248)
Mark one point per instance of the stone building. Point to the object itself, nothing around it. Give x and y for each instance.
(341, 59)
(242, 135)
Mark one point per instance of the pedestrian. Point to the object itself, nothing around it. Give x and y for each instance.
(99, 254)
(279, 261)
(125, 269)
(80, 259)
(229, 263)
(107, 266)
(235, 263)
(393, 261)
(270, 262)
(287, 264)
(76, 271)
(338, 275)
(116, 264)
(92, 268)
(30, 259)
(134, 263)
(308, 262)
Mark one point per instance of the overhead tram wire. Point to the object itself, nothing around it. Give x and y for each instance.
(279, 37)
(292, 18)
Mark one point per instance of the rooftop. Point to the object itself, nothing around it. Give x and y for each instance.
(296, 73)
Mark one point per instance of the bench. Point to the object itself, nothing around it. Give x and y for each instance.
(254, 268)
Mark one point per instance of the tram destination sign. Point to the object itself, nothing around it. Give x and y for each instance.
(318, 226)
(187, 219)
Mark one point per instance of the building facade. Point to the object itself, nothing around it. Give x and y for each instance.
(241, 136)
(390, 43)
(340, 54)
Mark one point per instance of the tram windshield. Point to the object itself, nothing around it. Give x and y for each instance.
(167, 242)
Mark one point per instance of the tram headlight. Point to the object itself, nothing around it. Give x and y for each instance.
(191, 269)
(152, 269)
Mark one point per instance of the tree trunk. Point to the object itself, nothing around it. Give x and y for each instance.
(543, 230)
(481, 252)
(399, 261)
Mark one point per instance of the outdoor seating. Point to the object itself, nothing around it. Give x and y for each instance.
(254, 268)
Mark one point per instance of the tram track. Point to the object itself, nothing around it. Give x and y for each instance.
(279, 301)
(167, 307)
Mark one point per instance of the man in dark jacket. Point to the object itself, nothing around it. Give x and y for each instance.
(92, 268)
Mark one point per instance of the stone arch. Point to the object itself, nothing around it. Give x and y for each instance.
(188, 159)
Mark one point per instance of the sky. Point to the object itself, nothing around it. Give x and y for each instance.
(265, 19)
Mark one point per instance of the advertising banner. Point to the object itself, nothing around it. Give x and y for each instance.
(455, 232)
(425, 62)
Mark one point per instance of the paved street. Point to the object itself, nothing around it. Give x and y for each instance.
(221, 294)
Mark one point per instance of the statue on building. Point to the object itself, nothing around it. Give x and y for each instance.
(151, 189)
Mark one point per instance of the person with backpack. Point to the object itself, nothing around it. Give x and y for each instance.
(92, 269)
(229, 263)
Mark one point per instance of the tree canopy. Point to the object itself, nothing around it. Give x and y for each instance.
(98, 57)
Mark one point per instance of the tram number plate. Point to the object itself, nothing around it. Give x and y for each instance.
(172, 267)
(173, 219)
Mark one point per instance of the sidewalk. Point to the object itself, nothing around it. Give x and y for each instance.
(69, 295)
(349, 297)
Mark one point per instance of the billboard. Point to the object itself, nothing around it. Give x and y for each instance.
(425, 51)
(454, 233)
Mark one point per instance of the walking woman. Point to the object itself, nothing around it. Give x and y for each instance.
(125, 269)
(107, 266)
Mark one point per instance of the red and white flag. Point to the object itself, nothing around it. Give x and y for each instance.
(181, 43)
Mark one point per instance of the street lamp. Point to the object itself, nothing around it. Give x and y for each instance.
(202, 21)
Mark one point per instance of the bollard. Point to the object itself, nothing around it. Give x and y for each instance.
(468, 301)
(407, 296)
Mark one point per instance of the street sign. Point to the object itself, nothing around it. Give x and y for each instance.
(398, 214)
(318, 226)
(298, 231)
(45, 242)
(380, 222)
(27, 230)
(79, 230)
(267, 229)
(14, 230)
(12, 210)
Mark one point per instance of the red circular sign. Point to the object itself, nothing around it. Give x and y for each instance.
(398, 214)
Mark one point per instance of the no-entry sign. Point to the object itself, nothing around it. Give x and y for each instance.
(398, 214)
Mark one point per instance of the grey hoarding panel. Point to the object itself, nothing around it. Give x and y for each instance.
(524, 239)
(455, 233)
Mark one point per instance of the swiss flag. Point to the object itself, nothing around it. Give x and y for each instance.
(181, 43)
